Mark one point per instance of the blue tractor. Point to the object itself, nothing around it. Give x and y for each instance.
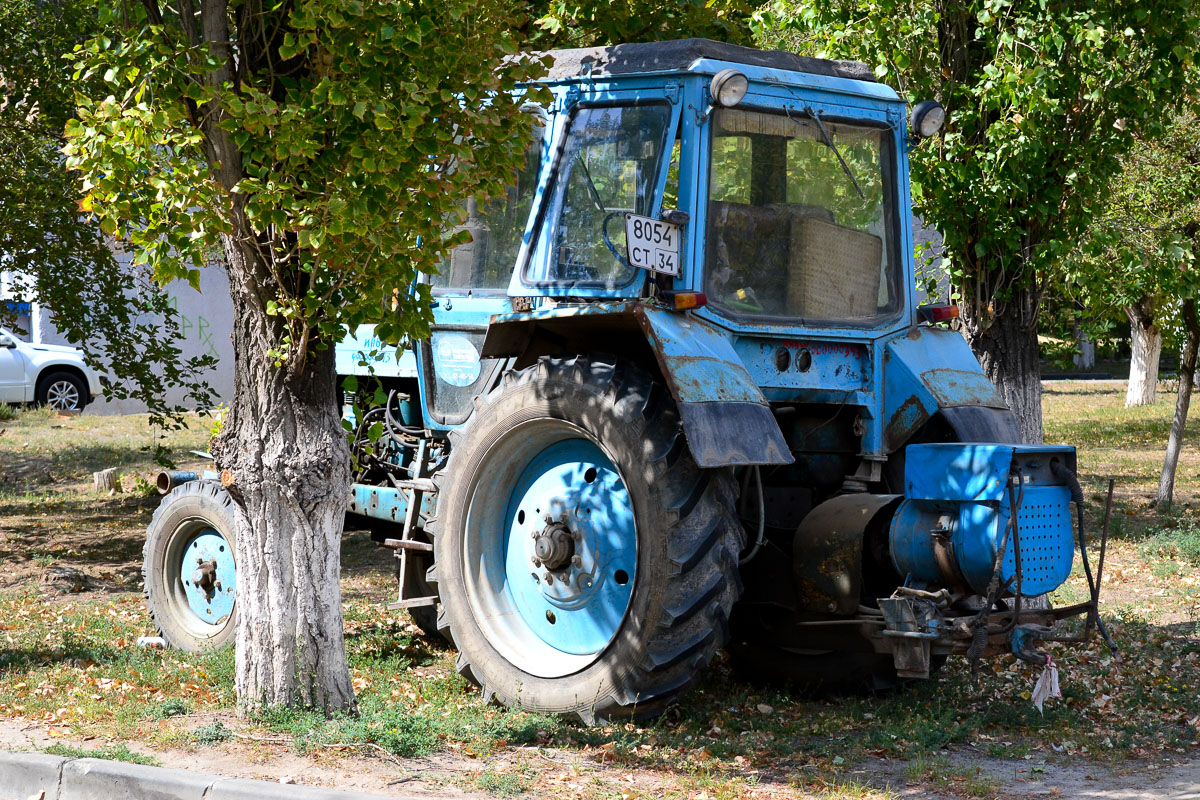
(679, 397)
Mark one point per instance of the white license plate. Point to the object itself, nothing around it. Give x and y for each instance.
(652, 244)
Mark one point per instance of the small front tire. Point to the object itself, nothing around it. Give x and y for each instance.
(189, 567)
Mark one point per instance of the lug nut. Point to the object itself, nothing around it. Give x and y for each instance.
(576, 560)
(548, 578)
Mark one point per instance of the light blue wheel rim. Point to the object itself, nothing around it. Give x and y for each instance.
(581, 608)
(549, 475)
(210, 606)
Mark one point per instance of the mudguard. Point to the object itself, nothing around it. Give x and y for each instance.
(726, 418)
(927, 370)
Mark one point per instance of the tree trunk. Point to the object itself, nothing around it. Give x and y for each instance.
(1147, 349)
(1085, 359)
(285, 451)
(1187, 375)
(1007, 348)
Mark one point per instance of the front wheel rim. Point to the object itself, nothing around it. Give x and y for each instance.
(200, 574)
(62, 396)
(550, 555)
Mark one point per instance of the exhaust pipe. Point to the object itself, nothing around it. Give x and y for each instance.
(167, 481)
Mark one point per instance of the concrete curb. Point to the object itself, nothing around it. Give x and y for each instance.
(23, 775)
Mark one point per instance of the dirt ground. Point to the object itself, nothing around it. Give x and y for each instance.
(1172, 779)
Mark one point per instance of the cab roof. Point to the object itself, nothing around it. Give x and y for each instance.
(679, 55)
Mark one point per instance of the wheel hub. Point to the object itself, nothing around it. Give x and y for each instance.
(558, 582)
(209, 576)
(205, 575)
(554, 547)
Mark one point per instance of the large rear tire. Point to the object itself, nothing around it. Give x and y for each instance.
(189, 567)
(581, 464)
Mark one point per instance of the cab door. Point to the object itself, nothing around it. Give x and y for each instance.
(13, 385)
(613, 158)
(469, 289)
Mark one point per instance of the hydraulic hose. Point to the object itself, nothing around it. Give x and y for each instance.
(1064, 474)
(762, 514)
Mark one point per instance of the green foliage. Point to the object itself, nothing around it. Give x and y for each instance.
(328, 154)
(1176, 544)
(218, 421)
(123, 321)
(112, 752)
(572, 23)
(171, 707)
(212, 733)
(1041, 99)
(7, 412)
(1142, 248)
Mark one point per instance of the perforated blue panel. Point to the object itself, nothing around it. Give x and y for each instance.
(1047, 540)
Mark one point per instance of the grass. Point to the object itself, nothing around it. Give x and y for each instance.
(114, 752)
(45, 454)
(71, 663)
(1174, 546)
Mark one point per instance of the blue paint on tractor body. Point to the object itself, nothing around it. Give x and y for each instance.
(384, 502)
(957, 500)
(730, 371)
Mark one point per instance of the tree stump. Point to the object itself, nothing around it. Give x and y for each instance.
(106, 480)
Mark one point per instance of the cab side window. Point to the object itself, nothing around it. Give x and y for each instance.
(497, 227)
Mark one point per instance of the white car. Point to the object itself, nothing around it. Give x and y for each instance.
(45, 374)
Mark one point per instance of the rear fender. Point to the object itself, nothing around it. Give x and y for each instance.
(931, 370)
(726, 418)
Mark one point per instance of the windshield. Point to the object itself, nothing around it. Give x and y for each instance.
(801, 219)
(608, 168)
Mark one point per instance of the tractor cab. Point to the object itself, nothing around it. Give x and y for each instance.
(678, 397)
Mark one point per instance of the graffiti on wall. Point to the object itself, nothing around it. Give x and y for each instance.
(195, 328)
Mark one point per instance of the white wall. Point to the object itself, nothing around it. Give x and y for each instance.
(206, 320)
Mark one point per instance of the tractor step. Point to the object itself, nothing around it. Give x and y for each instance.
(407, 544)
(413, 602)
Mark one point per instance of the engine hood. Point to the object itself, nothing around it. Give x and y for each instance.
(55, 348)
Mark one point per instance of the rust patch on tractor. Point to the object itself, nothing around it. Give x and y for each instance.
(956, 387)
(904, 422)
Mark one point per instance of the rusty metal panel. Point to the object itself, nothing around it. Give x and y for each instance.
(805, 364)
(829, 552)
(726, 419)
(927, 370)
(697, 360)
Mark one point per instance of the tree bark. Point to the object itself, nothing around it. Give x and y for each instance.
(1147, 349)
(1007, 348)
(286, 454)
(282, 450)
(1187, 376)
(1086, 358)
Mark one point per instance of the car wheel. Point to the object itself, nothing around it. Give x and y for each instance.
(62, 391)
